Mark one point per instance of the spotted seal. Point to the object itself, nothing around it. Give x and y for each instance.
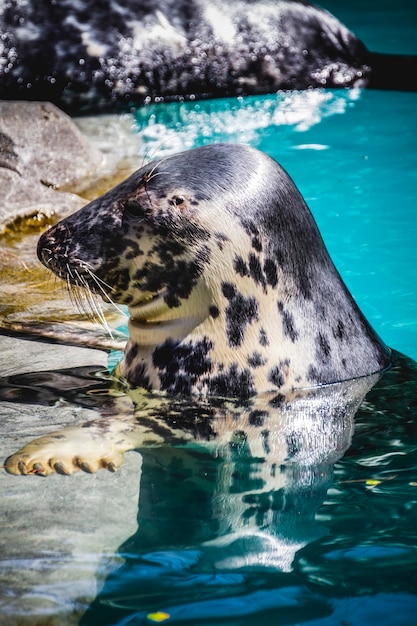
(228, 284)
(237, 313)
(87, 55)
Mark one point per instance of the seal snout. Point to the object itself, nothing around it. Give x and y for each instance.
(48, 250)
(53, 253)
(44, 249)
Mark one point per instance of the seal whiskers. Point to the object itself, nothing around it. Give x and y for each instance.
(85, 300)
(228, 284)
(101, 285)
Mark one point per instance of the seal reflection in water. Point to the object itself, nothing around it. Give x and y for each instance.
(231, 294)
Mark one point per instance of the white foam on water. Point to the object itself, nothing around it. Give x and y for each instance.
(166, 129)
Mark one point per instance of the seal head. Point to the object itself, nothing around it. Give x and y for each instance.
(228, 283)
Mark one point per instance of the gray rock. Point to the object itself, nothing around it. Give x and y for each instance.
(41, 151)
(24, 355)
(58, 535)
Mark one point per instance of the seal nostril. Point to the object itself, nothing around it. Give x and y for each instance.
(45, 248)
(40, 251)
(46, 256)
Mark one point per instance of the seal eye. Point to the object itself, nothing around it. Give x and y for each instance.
(134, 209)
(179, 200)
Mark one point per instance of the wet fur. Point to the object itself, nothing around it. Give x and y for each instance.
(231, 293)
(230, 289)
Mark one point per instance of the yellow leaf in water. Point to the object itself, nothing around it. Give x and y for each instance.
(159, 616)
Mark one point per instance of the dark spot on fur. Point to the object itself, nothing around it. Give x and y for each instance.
(181, 365)
(323, 348)
(256, 243)
(138, 376)
(255, 270)
(166, 249)
(232, 382)
(321, 311)
(314, 376)
(276, 377)
(257, 417)
(132, 249)
(263, 338)
(287, 323)
(278, 373)
(229, 290)
(256, 360)
(120, 281)
(240, 312)
(277, 401)
(270, 270)
(240, 266)
(214, 311)
(305, 285)
(221, 238)
(131, 353)
(178, 277)
(172, 300)
(339, 331)
(250, 227)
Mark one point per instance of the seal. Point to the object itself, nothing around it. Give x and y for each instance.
(89, 56)
(229, 287)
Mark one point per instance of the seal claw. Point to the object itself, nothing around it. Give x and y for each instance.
(86, 467)
(60, 468)
(21, 466)
(38, 468)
